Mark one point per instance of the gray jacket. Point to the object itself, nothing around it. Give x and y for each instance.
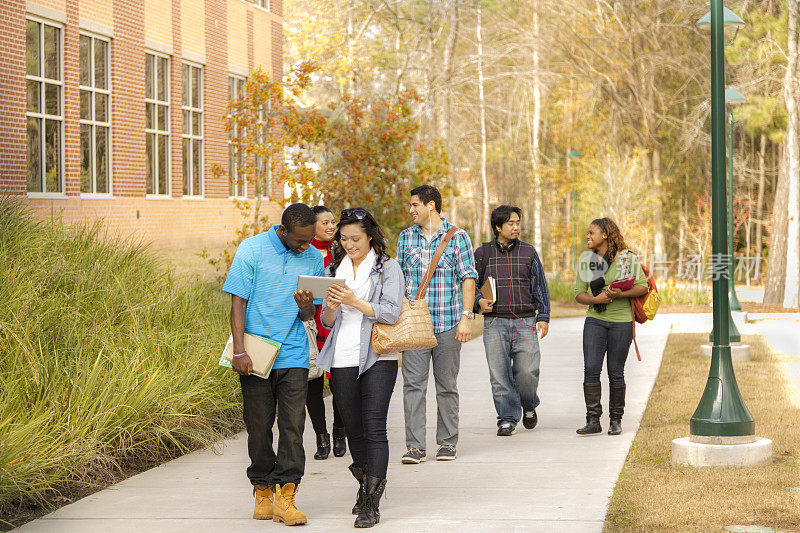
(386, 299)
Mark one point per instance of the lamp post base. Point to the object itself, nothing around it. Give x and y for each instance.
(733, 299)
(689, 453)
(739, 352)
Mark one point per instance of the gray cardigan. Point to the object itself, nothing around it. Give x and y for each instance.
(386, 299)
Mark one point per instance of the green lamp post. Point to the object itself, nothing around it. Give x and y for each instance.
(730, 21)
(732, 97)
(721, 415)
(574, 154)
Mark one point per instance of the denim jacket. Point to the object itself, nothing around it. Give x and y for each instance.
(386, 299)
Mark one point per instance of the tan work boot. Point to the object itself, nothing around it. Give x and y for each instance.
(264, 508)
(284, 509)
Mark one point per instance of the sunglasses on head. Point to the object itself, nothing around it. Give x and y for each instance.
(358, 214)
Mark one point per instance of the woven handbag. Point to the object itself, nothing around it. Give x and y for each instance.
(414, 327)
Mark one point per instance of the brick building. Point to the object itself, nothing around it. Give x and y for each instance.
(113, 109)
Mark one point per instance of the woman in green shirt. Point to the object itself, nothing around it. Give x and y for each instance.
(608, 329)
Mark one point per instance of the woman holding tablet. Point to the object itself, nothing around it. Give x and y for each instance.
(608, 276)
(323, 239)
(361, 380)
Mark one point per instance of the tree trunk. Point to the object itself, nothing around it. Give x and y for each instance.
(790, 293)
(762, 177)
(776, 265)
(536, 133)
(647, 171)
(446, 116)
(658, 209)
(568, 202)
(352, 81)
(481, 102)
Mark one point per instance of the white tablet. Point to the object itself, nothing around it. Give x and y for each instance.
(318, 285)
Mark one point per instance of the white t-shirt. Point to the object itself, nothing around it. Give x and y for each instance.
(347, 351)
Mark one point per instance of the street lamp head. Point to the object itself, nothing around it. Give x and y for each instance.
(574, 153)
(730, 19)
(732, 96)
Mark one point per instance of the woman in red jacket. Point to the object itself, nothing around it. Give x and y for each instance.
(326, 229)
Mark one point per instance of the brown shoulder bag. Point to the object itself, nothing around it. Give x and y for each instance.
(414, 327)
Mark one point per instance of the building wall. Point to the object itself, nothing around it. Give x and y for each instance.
(223, 36)
(192, 224)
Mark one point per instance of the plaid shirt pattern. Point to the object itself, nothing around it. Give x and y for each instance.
(414, 253)
(521, 283)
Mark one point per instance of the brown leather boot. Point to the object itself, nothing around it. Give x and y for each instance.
(285, 509)
(264, 497)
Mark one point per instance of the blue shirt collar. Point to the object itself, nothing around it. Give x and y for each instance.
(272, 234)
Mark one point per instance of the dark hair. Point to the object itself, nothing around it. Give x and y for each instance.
(428, 194)
(298, 216)
(502, 214)
(616, 243)
(370, 227)
(319, 209)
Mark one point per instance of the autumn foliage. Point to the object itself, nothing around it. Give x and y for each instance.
(358, 151)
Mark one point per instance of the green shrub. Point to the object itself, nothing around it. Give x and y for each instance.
(561, 290)
(104, 356)
(689, 294)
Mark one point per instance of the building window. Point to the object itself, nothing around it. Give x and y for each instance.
(262, 3)
(95, 105)
(237, 186)
(262, 164)
(45, 109)
(192, 133)
(156, 94)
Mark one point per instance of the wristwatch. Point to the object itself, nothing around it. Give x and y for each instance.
(468, 314)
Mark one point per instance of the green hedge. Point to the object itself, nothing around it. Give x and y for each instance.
(562, 291)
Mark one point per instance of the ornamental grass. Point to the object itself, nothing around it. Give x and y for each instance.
(106, 359)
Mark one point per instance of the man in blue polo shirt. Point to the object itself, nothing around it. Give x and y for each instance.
(262, 282)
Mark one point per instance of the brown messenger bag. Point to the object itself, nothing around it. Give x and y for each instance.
(414, 327)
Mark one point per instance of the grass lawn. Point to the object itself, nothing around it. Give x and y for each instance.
(654, 495)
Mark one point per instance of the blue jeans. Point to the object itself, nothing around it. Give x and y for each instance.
(364, 404)
(512, 351)
(600, 338)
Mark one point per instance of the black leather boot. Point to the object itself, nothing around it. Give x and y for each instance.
(591, 395)
(358, 473)
(323, 446)
(339, 442)
(616, 407)
(373, 490)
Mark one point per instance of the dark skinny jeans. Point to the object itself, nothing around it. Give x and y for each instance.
(600, 338)
(364, 405)
(316, 407)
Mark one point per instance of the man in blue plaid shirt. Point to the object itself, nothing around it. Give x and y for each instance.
(450, 297)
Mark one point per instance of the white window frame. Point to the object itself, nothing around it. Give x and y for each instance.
(42, 116)
(191, 137)
(94, 123)
(261, 4)
(267, 185)
(157, 132)
(236, 78)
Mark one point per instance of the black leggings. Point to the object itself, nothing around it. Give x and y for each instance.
(316, 407)
(601, 337)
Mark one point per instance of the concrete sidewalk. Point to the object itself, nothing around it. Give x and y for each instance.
(546, 479)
